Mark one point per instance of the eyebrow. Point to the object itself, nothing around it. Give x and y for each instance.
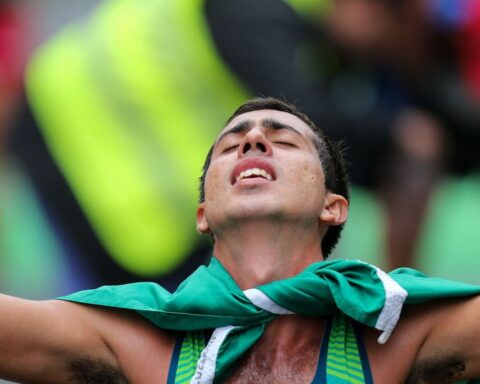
(277, 125)
(248, 124)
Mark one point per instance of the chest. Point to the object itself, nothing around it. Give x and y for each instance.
(326, 356)
(264, 364)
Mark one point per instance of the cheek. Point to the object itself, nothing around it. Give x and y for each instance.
(308, 182)
(310, 174)
(213, 182)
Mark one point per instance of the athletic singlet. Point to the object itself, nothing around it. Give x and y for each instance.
(343, 358)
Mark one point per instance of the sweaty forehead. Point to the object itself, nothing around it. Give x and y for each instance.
(283, 117)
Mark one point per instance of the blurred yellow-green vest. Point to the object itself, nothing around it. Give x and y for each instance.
(129, 102)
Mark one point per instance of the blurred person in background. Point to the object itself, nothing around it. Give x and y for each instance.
(427, 57)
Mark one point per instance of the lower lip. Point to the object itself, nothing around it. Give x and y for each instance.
(252, 181)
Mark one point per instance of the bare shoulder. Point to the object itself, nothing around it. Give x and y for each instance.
(140, 352)
(434, 342)
(38, 339)
(58, 342)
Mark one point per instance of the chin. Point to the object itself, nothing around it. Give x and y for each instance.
(259, 212)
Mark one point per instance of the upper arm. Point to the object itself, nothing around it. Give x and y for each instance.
(39, 338)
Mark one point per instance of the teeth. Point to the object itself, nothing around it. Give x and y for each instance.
(255, 172)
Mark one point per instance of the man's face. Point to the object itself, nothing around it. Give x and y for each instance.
(264, 165)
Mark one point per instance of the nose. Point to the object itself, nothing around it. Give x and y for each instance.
(255, 141)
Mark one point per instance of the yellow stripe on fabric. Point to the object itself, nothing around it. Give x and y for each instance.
(187, 349)
(186, 360)
(186, 363)
(185, 373)
(189, 355)
(186, 380)
(345, 368)
(184, 377)
(343, 360)
(350, 354)
(343, 376)
(351, 364)
(346, 363)
(342, 344)
(339, 350)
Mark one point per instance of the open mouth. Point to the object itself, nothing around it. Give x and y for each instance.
(253, 168)
(252, 173)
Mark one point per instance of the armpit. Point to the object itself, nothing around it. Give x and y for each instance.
(94, 371)
(438, 370)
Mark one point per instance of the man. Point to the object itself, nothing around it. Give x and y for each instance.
(273, 197)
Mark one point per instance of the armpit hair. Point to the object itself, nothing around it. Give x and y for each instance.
(437, 370)
(94, 371)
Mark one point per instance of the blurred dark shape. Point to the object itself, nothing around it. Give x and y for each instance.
(431, 50)
(12, 60)
(31, 254)
(396, 80)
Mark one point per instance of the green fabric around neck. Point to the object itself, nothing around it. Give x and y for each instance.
(210, 298)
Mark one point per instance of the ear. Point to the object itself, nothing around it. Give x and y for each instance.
(202, 225)
(335, 210)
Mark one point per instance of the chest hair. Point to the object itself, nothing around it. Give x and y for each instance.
(278, 365)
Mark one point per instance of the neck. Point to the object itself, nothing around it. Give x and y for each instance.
(255, 253)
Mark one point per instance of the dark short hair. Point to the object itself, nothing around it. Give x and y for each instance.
(329, 152)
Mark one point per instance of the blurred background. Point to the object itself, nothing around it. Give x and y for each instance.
(107, 110)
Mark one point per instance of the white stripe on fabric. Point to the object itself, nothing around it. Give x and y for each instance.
(395, 296)
(261, 300)
(205, 372)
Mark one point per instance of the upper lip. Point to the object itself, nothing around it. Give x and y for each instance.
(251, 163)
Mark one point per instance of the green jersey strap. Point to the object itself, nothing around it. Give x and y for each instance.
(343, 358)
(188, 349)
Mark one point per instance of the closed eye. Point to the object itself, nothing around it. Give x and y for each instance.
(230, 148)
(285, 143)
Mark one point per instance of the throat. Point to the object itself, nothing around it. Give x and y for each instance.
(259, 252)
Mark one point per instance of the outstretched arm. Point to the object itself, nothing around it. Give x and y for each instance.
(39, 340)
